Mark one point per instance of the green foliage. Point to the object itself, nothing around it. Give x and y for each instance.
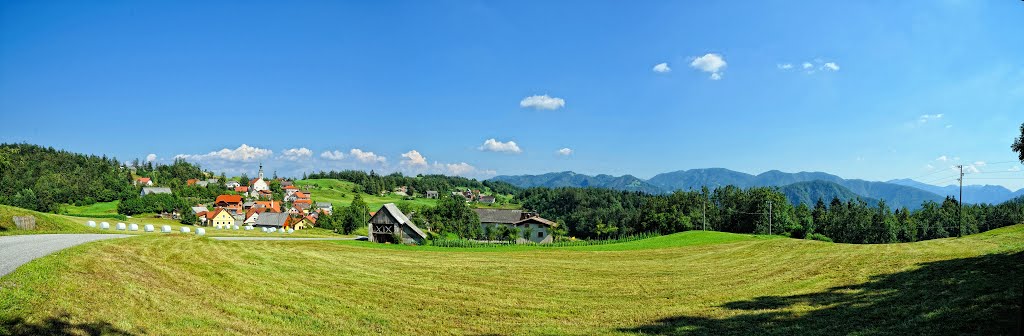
(1018, 144)
(38, 178)
(353, 216)
(152, 203)
(374, 184)
(452, 215)
(189, 218)
(818, 236)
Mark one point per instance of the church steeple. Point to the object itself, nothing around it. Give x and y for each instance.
(261, 171)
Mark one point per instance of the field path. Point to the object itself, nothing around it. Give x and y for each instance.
(18, 250)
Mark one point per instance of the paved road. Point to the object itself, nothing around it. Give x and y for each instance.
(276, 238)
(18, 250)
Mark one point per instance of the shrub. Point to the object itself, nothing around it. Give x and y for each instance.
(820, 237)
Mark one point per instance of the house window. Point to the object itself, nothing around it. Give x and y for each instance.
(540, 234)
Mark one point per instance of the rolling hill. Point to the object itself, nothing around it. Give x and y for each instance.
(991, 194)
(896, 195)
(810, 192)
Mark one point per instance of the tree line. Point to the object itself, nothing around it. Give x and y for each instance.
(592, 212)
(41, 178)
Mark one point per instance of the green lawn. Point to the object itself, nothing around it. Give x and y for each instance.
(103, 208)
(688, 283)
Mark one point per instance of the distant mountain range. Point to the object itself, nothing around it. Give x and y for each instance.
(802, 187)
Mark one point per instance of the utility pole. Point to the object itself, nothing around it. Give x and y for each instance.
(960, 210)
(769, 217)
(704, 213)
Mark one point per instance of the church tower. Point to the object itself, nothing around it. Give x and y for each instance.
(261, 171)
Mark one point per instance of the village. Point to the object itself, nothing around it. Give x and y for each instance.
(253, 206)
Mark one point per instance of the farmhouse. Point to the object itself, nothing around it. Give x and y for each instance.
(145, 181)
(231, 202)
(220, 218)
(389, 224)
(431, 193)
(536, 228)
(486, 199)
(155, 190)
(326, 207)
(232, 184)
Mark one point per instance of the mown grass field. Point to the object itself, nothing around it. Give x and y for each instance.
(688, 283)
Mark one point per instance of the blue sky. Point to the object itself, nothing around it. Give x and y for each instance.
(862, 89)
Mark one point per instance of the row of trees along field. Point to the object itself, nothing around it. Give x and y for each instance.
(373, 183)
(41, 178)
(591, 212)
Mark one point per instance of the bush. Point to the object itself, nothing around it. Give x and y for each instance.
(820, 237)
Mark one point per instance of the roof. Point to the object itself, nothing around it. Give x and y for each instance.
(213, 213)
(537, 220)
(198, 209)
(143, 179)
(241, 189)
(272, 219)
(202, 183)
(253, 211)
(503, 216)
(392, 209)
(303, 206)
(431, 192)
(155, 190)
(290, 187)
(324, 205)
(213, 180)
(229, 199)
(304, 200)
(269, 204)
(191, 181)
(300, 194)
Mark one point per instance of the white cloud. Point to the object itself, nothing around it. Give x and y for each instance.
(414, 158)
(979, 163)
(712, 63)
(295, 154)
(366, 157)
(564, 151)
(492, 145)
(1014, 169)
(333, 155)
(969, 169)
(784, 66)
(928, 166)
(924, 118)
(150, 157)
(831, 66)
(544, 102)
(461, 168)
(807, 65)
(662, 68)
(942, 158)
(242, 153)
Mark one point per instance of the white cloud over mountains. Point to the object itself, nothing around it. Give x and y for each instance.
(662, 68)
(493, 145)
(543, 102)
(366, 157)
(334, 155)
(296, 154)
(414, 158)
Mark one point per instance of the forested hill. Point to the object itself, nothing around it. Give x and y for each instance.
(894, 194)
(810, 192)
(571, 179)
(39, 178)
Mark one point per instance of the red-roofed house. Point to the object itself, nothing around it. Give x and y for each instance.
(144, 181)
(231, 202)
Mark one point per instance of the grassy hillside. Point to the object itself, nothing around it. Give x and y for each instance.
(340, 194)
(45, 223)
(689, 283)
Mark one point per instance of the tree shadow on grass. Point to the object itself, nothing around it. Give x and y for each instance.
(971, 296)
(58, 325)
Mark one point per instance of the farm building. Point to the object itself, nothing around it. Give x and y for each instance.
(431, 193)
(390, 223)
(536, 228)
(271, 220)
(155, 190)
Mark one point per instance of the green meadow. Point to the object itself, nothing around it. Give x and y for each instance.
(691, 283)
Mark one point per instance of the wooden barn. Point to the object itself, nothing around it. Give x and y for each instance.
(389, 224)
